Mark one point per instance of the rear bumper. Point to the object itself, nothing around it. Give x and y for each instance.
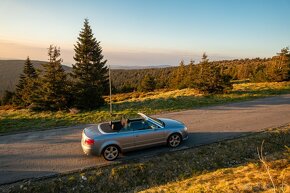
(90, 150)
(87, 150)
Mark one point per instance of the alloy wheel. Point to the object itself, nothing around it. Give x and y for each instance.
(111, 152)
(174, 140)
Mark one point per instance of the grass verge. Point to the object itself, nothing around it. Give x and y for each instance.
(228, 166)
(13, 120)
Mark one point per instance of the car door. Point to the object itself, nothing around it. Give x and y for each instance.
(147, 135)
(126, 138)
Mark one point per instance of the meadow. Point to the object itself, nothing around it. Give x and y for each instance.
(18, 120)
(227, 166)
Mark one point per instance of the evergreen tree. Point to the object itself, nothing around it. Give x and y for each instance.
(178, 80)
(276, 70)
(148, 84)
(26, 84)
(7, 98)
(162, 80)
(279, 69)
(89, 71)
(210, 78)
(204, 58)
(52, 91)
(190, 75)
(259, 73)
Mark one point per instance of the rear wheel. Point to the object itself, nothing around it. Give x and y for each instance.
(111, 152)
(174, 140)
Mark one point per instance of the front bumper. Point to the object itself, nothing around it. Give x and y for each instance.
(185, 138)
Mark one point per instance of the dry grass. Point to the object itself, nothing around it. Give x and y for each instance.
(158, 94)
(251, 177)
(246, 88)
(260, 86)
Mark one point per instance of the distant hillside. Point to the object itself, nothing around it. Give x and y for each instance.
(138, 67)
(10, 71)
(125, 80)
(238, 69)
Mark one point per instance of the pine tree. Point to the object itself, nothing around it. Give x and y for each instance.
(52, 91)
(190, 75)
(210, 78)
(148, 83)
(89, 71)
(7, 98)
(279, 69)
(26, 85)
(178, 80)
(204, 58)
(162, 79)
(259, 73)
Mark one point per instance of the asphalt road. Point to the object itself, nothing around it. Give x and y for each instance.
(41, 153)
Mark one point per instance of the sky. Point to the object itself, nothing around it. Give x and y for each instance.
(146, 32)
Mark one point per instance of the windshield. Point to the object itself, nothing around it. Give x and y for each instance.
(157, 120)
(154, 120)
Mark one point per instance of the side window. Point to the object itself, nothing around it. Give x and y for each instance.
(139, 125)
(126, 129)
(136, 125)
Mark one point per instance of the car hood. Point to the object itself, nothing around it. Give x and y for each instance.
(171, 122)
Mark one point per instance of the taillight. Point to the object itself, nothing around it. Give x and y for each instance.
(89, 141)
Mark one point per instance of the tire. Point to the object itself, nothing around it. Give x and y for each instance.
(174, 140)
(111, 152)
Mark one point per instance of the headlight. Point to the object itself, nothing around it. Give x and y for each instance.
(185, 128)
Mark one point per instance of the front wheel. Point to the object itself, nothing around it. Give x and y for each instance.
(111, 152)
(174, 140)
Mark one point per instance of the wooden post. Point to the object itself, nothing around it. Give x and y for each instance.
(110, 83)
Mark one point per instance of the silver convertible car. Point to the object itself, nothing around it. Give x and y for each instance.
(111, 138)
